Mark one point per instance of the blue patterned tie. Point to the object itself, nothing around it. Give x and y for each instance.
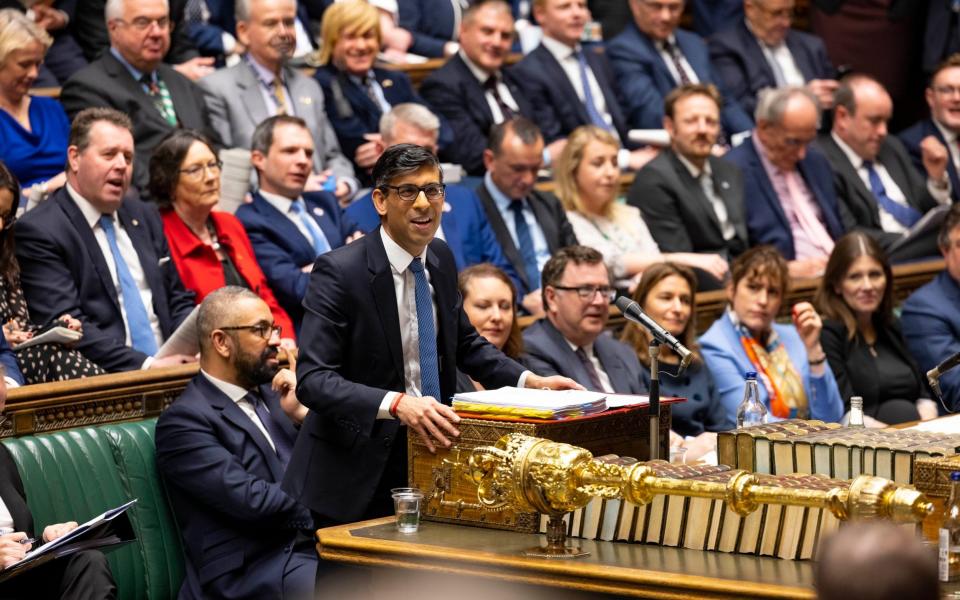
(141, 334)
(320, 243)
(525, 241)
(426, 336)
(280, 441)
(595, 117)
(905, 215)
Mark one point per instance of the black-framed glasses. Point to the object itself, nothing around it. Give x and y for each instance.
(409, 192)
(196, 171)
(588, 292)
(264, 330)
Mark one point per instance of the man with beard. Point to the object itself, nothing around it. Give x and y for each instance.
(222, 448)
(263, 84)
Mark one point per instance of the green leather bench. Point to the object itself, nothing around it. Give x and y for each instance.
(77, 474)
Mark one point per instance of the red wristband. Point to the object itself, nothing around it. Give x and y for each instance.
(393, 405)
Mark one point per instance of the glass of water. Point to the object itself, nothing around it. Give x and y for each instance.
(406, 503)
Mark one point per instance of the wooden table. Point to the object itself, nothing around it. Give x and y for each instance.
(615, 568)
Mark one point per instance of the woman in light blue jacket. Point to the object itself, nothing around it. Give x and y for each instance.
(796, 381)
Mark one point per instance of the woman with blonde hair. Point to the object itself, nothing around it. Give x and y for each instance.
(356, 93)
(588, 183)
(33, 129)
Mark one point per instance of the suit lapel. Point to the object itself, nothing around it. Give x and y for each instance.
(842, 165)
(448, 220)
(282, 226)
(755, 52)
(661, 74)
(472, 91)
(324, 220)
(250, 93)
(122, 77)
(766, 186)
(301, 97)
(503, 234)
(545, 220)
(951, 169)
(565, 355)
(800, 58)
(446, 330)
(277, 415)
(595, 59)
(359, 100)
(90, 243)
(558, 77)
(730, 198)
(385, 296)
(692, 187)
(611, 363)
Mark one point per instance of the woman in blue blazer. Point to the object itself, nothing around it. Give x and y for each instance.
(791, 364)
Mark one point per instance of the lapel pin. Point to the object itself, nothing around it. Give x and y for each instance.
(386, 83)
(135, 223)
(318, 211)
(725, 185)
(306, 100)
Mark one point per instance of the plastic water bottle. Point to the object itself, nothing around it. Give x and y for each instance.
(751, 410)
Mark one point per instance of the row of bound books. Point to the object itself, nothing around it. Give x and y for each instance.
(787, 532)
(797, 446)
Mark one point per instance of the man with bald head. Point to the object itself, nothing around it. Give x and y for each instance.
(763, 51)
(873, 175)
(222, 449)
(788, 186)
(132, 78)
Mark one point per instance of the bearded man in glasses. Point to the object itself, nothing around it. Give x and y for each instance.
(383, 335)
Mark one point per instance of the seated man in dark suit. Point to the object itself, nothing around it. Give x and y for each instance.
(763, 51)
(356, 92)
(463, 223)
(931, 315)
(222, 449)
(571, 339)
(432, 25)
(691, 200)
(873, 174)
(652, 56)
(530, 225)
(288, 227)
(99, 255)
(473, 90)
(572, 84)
(788, 185)
(375, 361)
(132, 78)
(84, 575)
(940, 132)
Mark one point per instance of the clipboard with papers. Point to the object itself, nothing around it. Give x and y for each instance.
(107, 531)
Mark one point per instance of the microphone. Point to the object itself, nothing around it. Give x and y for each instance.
(632, 311)
(933, 375)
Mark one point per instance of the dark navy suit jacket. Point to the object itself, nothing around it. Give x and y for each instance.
(63, 270)
(931, 324)
(353, 113)
(646, 81)
(455, 93)
(738, 62)
(282, 250)
(766, 221)
(431, 22)
(911, 138)
(352, 356)
(548, 87)
(546, 352)
(223, 479)
(208, 37)
(465, 228)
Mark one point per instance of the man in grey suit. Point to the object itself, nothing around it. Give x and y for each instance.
(873, 174)
(263, 85)
(691, 200)
(570, 340)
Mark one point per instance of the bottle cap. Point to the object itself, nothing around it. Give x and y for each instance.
(955, 476)
(750, 374)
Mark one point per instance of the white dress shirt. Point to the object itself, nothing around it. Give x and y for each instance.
(6, 519)
(503, 203)
(780, 59)
(951, 140)
(668, 61)
(502, 88)
(130, 256)
(404, 285)
(601, 373)
(705, 178)
(565, 55)
(285, 206)
(239, 397)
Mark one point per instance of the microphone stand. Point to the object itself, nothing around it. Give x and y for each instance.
(654, 350)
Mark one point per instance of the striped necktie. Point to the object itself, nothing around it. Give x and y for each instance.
(160, 94)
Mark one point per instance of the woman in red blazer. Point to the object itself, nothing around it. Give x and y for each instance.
(209, 247)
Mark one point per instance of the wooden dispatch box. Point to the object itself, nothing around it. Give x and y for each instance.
(450, 498)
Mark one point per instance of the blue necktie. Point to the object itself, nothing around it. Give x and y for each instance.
(905, 215)
(280, 441)
(525, 241)
(320, 243)
(426, 336)
(595, 117)
(141, 334)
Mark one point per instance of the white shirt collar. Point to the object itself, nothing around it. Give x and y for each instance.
(481, 75)
(558, 49)
(232, 391)
(855, 159)
(89, 211)
(399, 258)
(281, 203)
(670, 39)
(694, 170)
(948, 135)
(587, 348)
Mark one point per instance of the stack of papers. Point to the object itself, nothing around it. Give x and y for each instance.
(537, 404)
